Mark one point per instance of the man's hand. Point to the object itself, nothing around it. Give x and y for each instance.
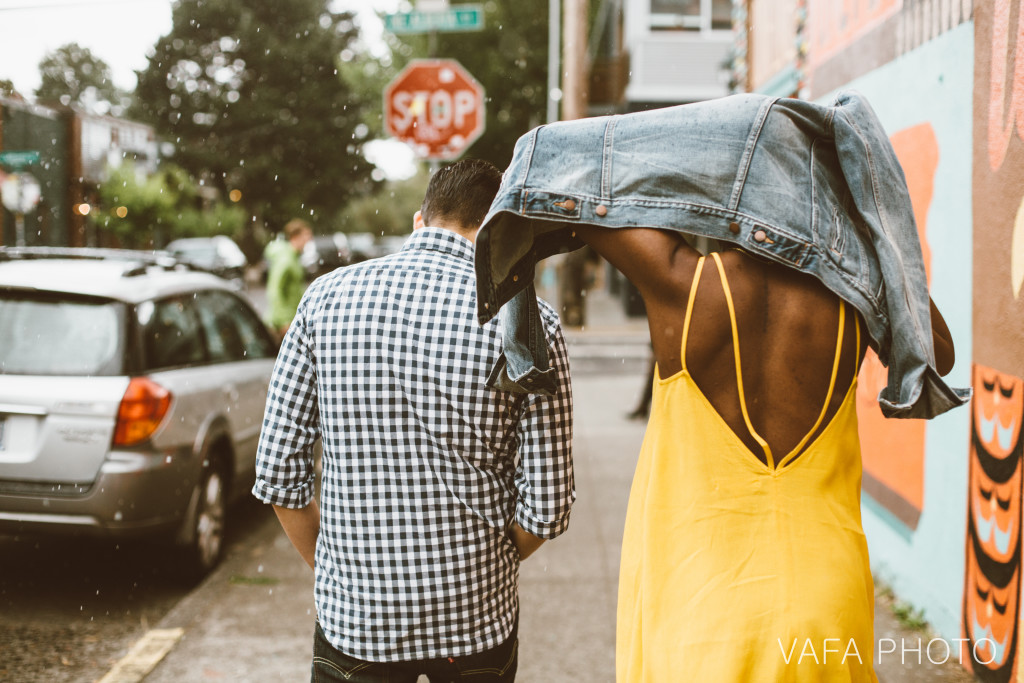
(526, 543)
(302, 526)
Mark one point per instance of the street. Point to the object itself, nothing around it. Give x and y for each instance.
(70, 608)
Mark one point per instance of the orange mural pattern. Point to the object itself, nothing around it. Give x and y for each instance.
(893, 450)
(991, 604)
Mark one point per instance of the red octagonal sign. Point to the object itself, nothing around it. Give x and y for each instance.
(436, 107)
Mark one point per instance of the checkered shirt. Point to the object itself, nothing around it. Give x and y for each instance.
(423, 468)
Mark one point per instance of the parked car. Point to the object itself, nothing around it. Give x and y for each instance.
(324, 253)
(362, 245)
(132, 390)
(219, 255)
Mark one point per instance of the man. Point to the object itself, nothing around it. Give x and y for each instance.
(434, 487)
(286, 279)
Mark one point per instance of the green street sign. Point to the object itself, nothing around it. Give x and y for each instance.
(19, 159)
(456, 18)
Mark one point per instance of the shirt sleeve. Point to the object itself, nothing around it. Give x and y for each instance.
(285, 473)
(544, 474)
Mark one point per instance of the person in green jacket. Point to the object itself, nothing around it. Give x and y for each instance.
(286, 279)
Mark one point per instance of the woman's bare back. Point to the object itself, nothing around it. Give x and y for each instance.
(788, 326)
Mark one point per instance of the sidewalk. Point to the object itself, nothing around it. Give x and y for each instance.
(252, 620)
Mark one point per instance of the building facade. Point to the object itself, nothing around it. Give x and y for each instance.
(69, 152)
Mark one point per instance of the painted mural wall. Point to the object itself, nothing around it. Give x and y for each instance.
(992, 589)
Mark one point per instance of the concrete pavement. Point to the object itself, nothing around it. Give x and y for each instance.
(252, 619)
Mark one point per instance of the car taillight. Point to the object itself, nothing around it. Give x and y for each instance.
(143, 407)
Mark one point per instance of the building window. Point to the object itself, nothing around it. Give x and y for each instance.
(691, 15)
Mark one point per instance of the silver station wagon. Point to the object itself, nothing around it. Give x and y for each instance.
(131, 397)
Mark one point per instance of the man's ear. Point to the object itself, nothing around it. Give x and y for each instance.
(417, 220)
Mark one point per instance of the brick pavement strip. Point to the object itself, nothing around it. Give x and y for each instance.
(144, 656)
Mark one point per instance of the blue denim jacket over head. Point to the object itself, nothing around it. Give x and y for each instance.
(817, 188)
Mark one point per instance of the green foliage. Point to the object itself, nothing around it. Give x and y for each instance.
(909, 616)
(71, 74)
(389, 212)
(158, 209)
(249, 93)
(369, 76)
(509, 59)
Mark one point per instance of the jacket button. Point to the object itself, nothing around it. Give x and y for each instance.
(734, 228)
(760, 236)
(601, 210)
(569, 205)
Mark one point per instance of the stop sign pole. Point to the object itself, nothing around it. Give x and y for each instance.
(436, 107)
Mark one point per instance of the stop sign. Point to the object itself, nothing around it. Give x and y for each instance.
(436, 107)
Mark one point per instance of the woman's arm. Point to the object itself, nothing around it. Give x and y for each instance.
(657, 262)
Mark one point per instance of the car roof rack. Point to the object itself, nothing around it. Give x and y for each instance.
(144, 260)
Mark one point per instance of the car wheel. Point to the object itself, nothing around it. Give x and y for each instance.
(204, 534)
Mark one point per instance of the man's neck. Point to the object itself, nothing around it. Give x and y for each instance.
(468, 233)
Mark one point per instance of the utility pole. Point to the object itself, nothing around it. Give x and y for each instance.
(554, 57)
(574, 106)
(574, 78)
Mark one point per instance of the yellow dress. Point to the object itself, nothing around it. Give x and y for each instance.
(734, 570)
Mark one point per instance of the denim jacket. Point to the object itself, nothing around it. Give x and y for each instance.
(817, 188)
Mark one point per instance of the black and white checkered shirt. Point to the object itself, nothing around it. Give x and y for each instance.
(424, 468)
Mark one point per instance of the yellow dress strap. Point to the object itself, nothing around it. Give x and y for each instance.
(856, 351)
(831, 386)
(689, 310)
(739, 369)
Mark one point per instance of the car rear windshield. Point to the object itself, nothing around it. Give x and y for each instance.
(53, 336)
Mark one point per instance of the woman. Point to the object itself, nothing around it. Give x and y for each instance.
(744, 558)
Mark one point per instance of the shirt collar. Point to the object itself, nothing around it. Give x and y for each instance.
(442, 240)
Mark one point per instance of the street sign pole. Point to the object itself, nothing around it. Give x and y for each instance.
(19, 229)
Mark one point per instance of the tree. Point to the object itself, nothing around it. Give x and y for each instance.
(148, 213)
(248, 91)
(71, 74)
(389, 211)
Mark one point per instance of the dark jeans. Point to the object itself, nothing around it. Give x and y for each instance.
(493, 666)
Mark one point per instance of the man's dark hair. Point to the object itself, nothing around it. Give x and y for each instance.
(461, 193)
